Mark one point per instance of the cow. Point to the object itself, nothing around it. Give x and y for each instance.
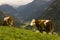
(43, 25)
(8, 21)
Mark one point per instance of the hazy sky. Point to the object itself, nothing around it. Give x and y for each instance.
(17, 2)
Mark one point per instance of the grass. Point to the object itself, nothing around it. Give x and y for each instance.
(11, 33)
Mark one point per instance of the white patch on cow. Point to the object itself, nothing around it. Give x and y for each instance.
(42, 20)
(32, 22)
(46, 22)
(6, 18)
(37, 31)
(44, 32)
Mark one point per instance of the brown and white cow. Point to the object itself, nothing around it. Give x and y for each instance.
(43, 25)
(8, 21)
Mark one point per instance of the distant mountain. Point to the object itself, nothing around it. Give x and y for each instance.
(33, 9)
(26, 12)
(9, 9)
(53, 13)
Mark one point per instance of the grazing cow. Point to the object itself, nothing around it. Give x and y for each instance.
(8, 21)
(43, 25)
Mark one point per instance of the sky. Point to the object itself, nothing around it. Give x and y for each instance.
(17, 3)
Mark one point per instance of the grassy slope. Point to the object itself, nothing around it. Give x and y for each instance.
(11, 33)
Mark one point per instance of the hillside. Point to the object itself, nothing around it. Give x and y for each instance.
(11, 33)
(53, 13)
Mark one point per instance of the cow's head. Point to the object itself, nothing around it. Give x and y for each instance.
(6, 18)
(32, 22)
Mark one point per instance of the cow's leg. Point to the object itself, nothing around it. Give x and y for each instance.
(49, 29)
(40, 29)
(4, 23)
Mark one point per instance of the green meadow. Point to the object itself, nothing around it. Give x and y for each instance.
(13, 33)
